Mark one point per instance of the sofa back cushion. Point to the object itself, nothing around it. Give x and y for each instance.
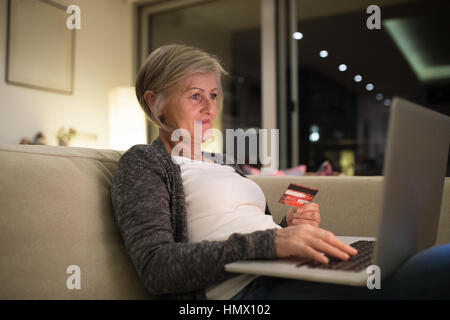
(55, 211)
(348, 205)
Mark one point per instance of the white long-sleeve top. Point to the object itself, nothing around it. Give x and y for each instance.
(220, 202)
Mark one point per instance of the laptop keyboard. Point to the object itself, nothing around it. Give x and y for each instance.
(358, 262)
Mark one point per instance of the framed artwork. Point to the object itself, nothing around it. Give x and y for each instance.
(40, 48)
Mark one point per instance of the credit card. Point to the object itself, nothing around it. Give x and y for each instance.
(297, 195)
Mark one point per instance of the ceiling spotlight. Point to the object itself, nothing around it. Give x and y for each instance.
(369, 87)
(358, 78)
(323, 53)
(297, 35)
(314, 137)
(387, 102)
(342, 67)
(379, 96)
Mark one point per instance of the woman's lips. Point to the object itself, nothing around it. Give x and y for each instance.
(203, 122)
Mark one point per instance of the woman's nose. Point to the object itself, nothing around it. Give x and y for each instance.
(207, 105)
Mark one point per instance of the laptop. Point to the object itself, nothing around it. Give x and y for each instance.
(414, 174)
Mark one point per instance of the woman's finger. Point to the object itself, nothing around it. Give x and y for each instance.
(311, 215)
(314, 217)
(291, 214)
(305, 221)
(312, 254)
(322, 246)
(331, 239)
(310, 206)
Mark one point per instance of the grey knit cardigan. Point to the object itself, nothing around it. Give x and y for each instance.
(149, 206)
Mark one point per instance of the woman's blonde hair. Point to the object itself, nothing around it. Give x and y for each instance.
(167, 65)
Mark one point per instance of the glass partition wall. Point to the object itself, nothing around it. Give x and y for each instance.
(338, 64)
(353, 59)
(228, 29)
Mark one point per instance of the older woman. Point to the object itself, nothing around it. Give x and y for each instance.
(182, 217)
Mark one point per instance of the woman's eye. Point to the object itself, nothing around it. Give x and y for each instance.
(213, 96)
(196, 96)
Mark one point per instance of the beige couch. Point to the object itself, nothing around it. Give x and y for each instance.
(55, 211)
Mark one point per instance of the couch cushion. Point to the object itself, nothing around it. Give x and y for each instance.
(55, 211)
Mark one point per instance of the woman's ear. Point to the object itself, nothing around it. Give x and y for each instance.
(149, 97)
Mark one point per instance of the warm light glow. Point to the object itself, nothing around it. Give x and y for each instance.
(127, 125)
(347, 162)
(215, 143)
(403, 32)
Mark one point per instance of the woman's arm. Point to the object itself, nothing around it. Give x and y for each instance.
(142, 204)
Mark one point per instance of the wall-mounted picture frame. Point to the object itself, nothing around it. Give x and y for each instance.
(40, 48)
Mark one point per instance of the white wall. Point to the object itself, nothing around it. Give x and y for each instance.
(104, 58)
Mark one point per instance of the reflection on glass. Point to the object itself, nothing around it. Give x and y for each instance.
(323, 53)
(408, 57)
(229, 29)
(342, 67)
(298, 35)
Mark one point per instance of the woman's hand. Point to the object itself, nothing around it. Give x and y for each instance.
(307, 241)
(306, 214)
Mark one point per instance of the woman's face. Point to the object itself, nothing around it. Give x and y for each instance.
(192, 99)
